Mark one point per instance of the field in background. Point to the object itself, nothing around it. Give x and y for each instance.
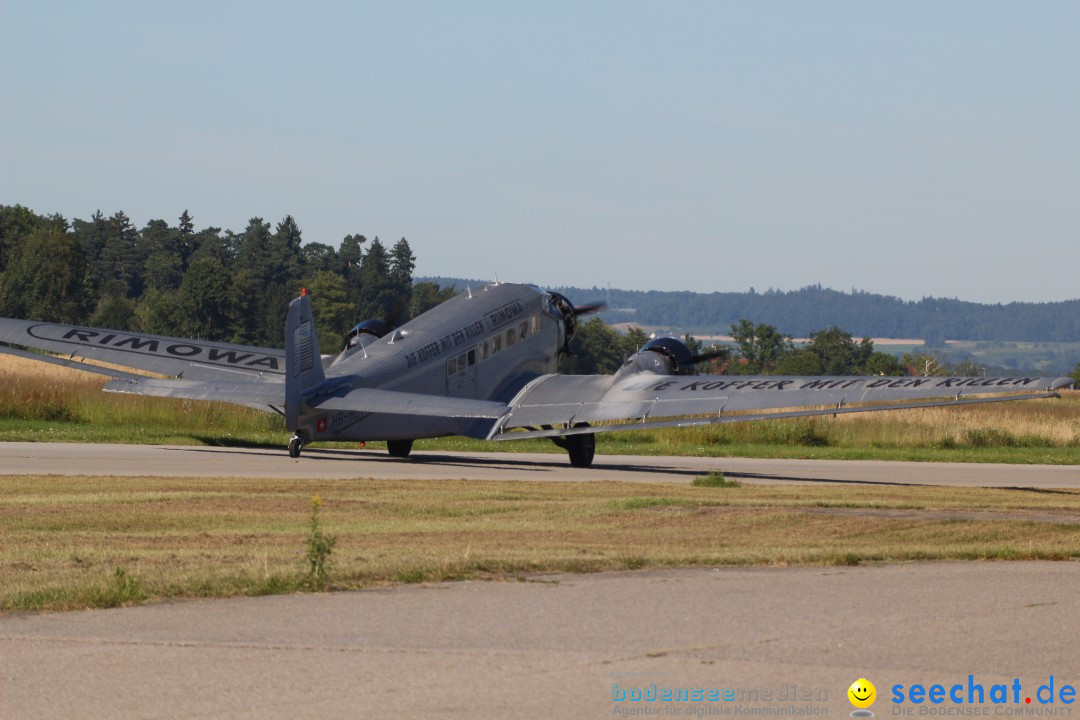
(40, 402)
(1046, 358)
(72, 542)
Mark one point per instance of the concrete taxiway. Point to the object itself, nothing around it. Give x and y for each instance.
(195, 461)
(561, 646)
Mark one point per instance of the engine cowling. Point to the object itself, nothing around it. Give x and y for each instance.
(570, 313)
(668, 356)
(664, 356)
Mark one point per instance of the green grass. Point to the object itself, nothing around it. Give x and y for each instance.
(74, 542)
(715, 479)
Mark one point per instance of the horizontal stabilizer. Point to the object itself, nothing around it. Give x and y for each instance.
(405, 403)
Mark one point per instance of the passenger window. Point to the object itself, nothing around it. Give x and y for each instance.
(523, 330)
(484, 350)
(496, 344)
(462, 362)
(451, 366)
(535, 325)
(472, 357)
(510, 337)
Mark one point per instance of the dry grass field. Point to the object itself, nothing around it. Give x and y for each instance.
(70, 542)
(42, 402)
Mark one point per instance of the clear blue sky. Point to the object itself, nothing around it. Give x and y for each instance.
(907, 148)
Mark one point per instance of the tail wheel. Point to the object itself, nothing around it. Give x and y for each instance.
(399, 448)
(294, 446)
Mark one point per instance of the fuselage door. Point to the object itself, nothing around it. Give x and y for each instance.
(461, 374)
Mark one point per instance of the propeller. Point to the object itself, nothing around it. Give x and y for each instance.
(570, 313)
(713, 354)
(589, 309)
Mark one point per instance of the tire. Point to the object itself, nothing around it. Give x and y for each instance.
(399, 448)
(581, 448)
(294, 447)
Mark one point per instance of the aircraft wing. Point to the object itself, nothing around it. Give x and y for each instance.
(242, 393)
(556, 405)
(178, 357)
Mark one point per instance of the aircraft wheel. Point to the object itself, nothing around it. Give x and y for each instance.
(582, 448)
(399, 448)
(294, 446)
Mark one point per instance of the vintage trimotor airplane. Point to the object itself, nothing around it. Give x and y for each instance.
(483, 365)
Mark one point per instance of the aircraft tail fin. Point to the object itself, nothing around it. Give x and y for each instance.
(303, 362)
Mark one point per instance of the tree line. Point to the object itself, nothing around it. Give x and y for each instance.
(758, 349)
(798, 312)
(203, 283)
(761, 349)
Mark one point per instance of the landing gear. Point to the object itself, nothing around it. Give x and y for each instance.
(581, 448)
(399, 448)
(295, 444)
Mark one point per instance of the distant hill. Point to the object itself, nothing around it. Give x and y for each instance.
(799, 312)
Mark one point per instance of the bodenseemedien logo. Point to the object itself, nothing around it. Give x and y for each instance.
(862, 695)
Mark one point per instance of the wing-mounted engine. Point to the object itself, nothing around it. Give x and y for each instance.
(373, 329)
(666, 356)
(663, 356)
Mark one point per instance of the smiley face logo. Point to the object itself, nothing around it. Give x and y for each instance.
(862, 693)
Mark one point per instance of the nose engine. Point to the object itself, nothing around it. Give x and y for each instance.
(570, 314)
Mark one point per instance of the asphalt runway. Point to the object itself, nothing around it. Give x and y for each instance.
(18, 458)
(562, 646)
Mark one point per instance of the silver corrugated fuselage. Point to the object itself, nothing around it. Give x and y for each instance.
(459, 349)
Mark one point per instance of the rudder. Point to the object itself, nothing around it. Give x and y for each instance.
(303, 361)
